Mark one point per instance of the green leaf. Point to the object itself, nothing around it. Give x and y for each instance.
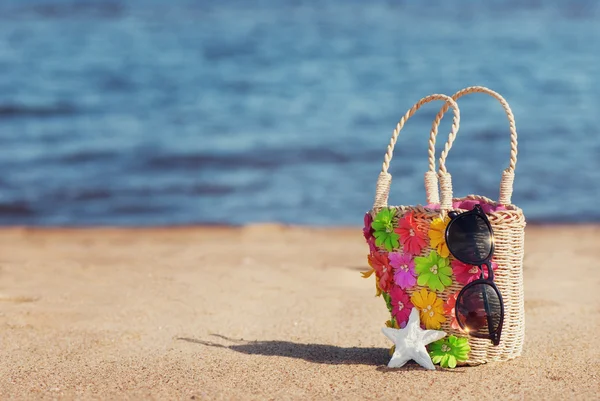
(388, 244)
(378, 226)
(379, 240)
(388, 300)
(446, 271)
(423, 279)
(451, 361)
(434, 283)
(463, 349)
(436, 358)
(444, 361)
(437, 345)
(421, 260)
(384, 216)
(445, 280)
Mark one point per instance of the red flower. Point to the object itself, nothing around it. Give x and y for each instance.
(413, 240)
(401, 306)
(381, 264)
(465, 273)
(449, 310)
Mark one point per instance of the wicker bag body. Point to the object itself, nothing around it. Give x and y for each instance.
(507, 222)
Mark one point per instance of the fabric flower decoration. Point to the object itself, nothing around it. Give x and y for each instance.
(434, 271)
(430, 307)
(404, 269)
(469, 204)
(449, 310)
(465, 273)
(413, 240)
(448, 351)
(368, 232)
(401, 306)
(437, 236)
(394, 325)
(384, 230)
(368, 274)
(384, 272)
(388, 301)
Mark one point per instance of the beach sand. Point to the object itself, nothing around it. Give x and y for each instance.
(262, 312)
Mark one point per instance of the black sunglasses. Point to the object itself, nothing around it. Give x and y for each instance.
(479, 306)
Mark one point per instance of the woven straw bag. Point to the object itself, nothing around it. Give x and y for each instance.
(507, 221)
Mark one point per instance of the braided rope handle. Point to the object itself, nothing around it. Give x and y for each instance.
(382, 190)
(508, 175)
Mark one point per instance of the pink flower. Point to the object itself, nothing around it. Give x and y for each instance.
(413, 240)
(401, 306)
(368, 232)
(381, 264)
(449, 310)
(404, 269)
(465, 273)
(468, 204)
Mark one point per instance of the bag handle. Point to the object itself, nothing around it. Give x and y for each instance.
(508, 175)
(384, 180)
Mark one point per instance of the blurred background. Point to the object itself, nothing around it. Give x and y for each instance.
(187, 112)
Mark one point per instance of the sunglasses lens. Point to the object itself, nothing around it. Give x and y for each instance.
(471, 310)
(470, 239)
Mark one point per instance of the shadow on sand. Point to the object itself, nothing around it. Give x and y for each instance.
(316, 353)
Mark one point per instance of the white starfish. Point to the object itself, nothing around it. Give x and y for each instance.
(411, 341)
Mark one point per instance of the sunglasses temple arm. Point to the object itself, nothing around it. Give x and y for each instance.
(488, 312)
(488, 264)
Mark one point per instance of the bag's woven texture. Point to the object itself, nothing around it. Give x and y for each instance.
(507, 221)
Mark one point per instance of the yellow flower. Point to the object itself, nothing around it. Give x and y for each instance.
(377, 289)
(368, 274)
(431, 308)
(437, 236)
(393, 324)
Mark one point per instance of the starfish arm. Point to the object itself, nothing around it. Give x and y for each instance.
(398, 360)
(414, 317)
(421, 357)
(429, 336)
(390, 333)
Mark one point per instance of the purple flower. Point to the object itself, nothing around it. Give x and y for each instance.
(404, 269)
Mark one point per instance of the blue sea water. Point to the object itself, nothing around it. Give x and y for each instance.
(183, 112)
